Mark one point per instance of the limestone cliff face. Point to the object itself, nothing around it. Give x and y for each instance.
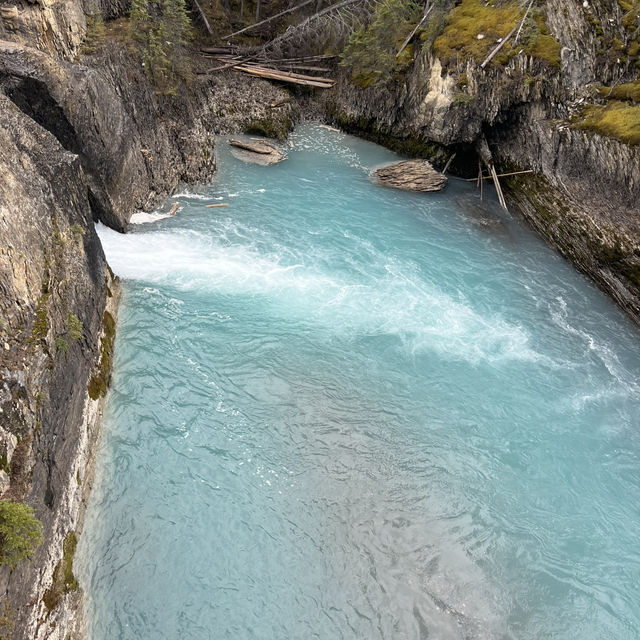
(584, 196)
(55, 287)
(81, 139)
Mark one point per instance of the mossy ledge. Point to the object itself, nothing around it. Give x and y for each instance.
(99, 381)
(63, 579)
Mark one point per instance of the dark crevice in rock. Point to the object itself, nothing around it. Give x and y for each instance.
(32, 97)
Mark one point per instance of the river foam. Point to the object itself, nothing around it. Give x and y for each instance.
(343, 411)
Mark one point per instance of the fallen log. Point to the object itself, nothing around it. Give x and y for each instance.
(257, 147)
(212, 206)
(278, 15)
(494, 53)
(286, 76)
(203, 17)
(175, 207)
(413, 33)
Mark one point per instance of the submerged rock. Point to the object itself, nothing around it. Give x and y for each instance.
(412, 175)
(257, 151)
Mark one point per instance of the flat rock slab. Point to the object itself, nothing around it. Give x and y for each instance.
(412, 175)
(259, 152)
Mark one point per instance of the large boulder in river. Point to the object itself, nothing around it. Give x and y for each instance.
(258, 151)
(411, 175)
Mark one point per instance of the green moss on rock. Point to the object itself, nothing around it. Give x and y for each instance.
(99, 382)
(618, 120)
(471, 18)
(63, 579)
(277, 128)
(40, 324)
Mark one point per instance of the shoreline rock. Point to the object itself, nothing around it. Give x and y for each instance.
(411, 175)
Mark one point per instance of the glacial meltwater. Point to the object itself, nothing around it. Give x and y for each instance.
(344, 411)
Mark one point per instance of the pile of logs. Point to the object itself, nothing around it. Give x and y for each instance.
(284, 70)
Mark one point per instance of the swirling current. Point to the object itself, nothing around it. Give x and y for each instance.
(345, 411)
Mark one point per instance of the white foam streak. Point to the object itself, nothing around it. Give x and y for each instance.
(399, 303)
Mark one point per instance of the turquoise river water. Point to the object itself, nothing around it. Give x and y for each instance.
(345, 411)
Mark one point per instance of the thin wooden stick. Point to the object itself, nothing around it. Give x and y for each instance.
(406, 42)
(212, 206)
(278, 15)
(446, 166)
(493, 54)
(237, 63)
(204, 18)
(496, 184)
(522, 23)
(500, 175)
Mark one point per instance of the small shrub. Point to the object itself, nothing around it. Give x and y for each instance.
(370, 54)
(20, 532)
(78, 231)
(40, 323)
(61, 344)
(462, 99)
(94, 37)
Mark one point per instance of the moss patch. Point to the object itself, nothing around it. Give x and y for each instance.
(629, 91)
(63, 579)
(459, 41)
(40, 324)
(270, 127)
(99, 382)
(492, 21)
(618, 120)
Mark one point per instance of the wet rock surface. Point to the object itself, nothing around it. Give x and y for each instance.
(411, 175)
(257, 151)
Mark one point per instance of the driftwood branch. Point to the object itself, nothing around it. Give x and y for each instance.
(302, 25)
(278, 15)
(203, 17)
(522, 22)
(494, 53)
(446, 166)
(499, 175)
(413, 32)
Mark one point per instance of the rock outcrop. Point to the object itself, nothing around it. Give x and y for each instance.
(257, 151)
(411, 175)
(583, 195)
